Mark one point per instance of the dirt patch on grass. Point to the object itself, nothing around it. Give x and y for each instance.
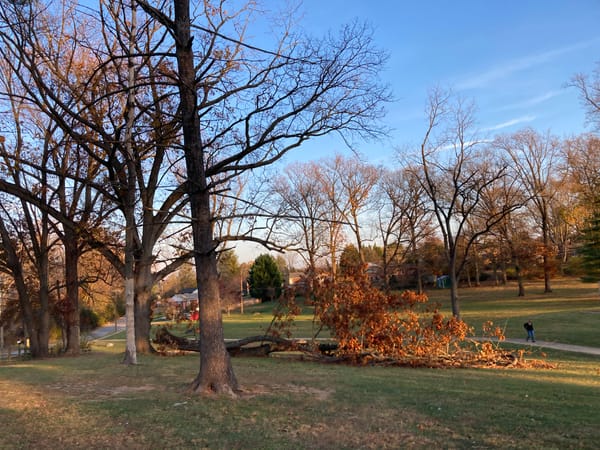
(278, 389)
(98, 390)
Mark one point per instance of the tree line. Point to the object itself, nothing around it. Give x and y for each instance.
(135, 138)
(519, 201)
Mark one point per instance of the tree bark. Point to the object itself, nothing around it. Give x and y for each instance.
(143, 306)
(216, 373)
(546, 256)
(454, 291)
(14, 265)
(71, 246)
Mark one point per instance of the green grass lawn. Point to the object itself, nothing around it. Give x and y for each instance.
(96, 402)
(570, 314)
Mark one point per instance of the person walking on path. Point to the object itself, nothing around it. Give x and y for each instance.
(530, 332)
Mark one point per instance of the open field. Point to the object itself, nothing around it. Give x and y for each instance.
(95, 402)
(570, 314)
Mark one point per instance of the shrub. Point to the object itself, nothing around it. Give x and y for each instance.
(88, 319)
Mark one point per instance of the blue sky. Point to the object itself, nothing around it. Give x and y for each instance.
(513, 58)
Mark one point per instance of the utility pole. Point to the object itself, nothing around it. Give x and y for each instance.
(241, 293)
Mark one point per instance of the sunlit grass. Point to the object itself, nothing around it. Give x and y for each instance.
(96, 402)
(570, 314)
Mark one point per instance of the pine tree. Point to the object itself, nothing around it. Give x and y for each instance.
(265, 278)
(590, 250)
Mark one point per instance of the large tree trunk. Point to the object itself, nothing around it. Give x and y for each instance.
(216, 373)
(143, 307)
(16, 270)
(521, 285)
(419, 278)
(130, 357)
(454, 288)
(72, 288)
(518, 272)
(43, 313)
(454, 295)
(477, 272)
(546, 259)
(28, 317)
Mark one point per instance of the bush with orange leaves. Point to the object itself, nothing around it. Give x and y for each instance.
(372, 326)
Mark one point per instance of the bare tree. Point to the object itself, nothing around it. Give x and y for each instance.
(357, 180)
(243, 108)
(328, 179)
(565, 219)
(86, 90)
(583, 164)
(510, 235)
(303, 208)
(589, 91)
(455, 175)
(27, 230)
(404, 220)
(535, 160)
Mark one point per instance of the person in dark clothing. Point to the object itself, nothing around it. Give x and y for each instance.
(530, 333)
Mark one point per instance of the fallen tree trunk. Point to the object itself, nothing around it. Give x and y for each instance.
(263, 345)
(260, 345)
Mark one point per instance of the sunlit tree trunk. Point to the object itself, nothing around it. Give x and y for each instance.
(216, 373)
(15, 267)
(129, 207)
(143, 304)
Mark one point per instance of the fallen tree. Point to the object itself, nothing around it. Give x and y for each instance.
(372, 327)
(475, 353)
(260, 345)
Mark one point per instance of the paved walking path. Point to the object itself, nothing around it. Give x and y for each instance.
(108, 329)
(557, 346)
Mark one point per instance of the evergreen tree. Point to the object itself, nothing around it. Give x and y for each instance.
(350, 260)
(265, 278)
(590, 250)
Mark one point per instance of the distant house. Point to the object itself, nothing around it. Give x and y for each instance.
(186, 298)
(374, 272)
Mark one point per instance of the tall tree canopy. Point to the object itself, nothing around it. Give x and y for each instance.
(242, 108)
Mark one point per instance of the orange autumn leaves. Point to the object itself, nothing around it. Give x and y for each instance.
(366, 319)
(374, 326)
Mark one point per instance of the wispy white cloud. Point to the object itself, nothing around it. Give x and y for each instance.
(517, 65)
(465, 145)
(534, 101)
(510, 123)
